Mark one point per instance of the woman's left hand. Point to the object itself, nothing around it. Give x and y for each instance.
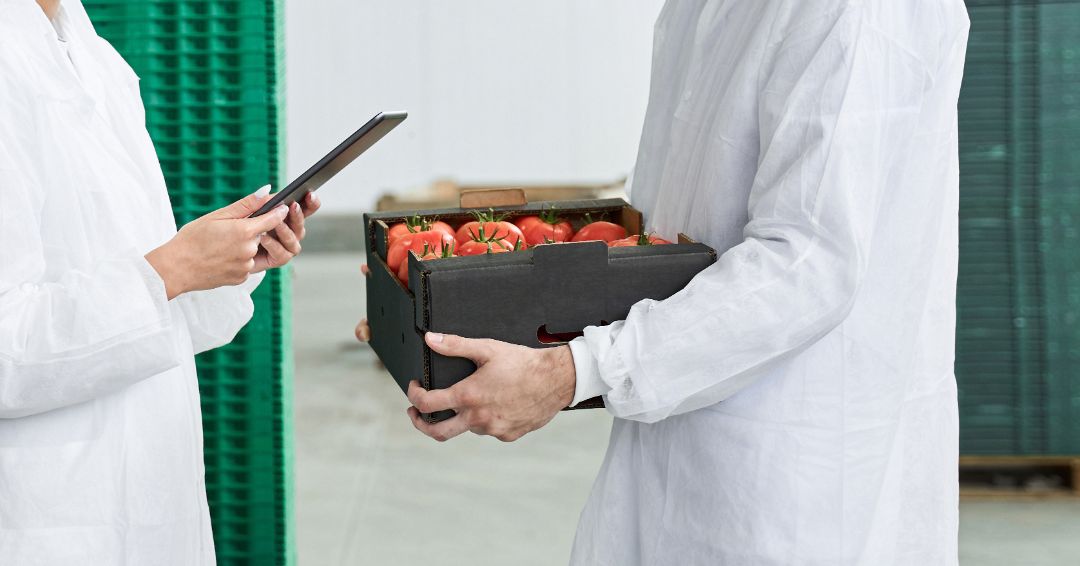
(278, 247)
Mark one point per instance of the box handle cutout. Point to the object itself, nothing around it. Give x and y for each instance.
(545, 337)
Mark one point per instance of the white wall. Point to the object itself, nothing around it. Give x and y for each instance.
(497, 90)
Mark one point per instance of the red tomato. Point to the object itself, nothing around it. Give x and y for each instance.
(488, 237)
(544, 233)
(600, 230)
(553, 228)
(525, 222)
(396, 231)
(403, 271)
(443, 227)
(415, 225)
(480, 247)
(434, 240)
(498, 230)
(487, 226)
(639, 240)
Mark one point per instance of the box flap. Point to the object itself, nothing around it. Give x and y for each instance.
(569, 270)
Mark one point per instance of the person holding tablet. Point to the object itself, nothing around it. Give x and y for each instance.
(103, 305)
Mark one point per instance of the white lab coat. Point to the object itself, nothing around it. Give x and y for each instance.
(795, 403)
(100, 428)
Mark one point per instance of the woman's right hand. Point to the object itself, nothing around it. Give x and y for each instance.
(217, 249)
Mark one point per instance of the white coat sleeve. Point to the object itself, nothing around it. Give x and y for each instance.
(71, 336)
(215, 316)
(836, 107)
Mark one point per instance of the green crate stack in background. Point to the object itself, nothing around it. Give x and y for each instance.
(212, 82)
(1018, 296)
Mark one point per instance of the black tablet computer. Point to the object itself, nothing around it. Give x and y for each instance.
(336, 160)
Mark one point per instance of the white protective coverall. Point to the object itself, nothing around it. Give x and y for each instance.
(100, 430)
(795, 404)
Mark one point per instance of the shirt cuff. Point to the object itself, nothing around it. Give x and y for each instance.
(589, 384)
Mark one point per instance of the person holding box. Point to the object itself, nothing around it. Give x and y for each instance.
(795, 403)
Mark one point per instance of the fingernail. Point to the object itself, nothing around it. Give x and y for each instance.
(282, 211)
(263, 191)
(435, 337)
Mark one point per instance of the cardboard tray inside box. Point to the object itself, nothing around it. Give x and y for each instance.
(539, 297)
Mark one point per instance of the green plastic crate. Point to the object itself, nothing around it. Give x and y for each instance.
(1018, 302)
(211, 81)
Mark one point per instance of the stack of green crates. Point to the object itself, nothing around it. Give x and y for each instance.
(211, 80)
(1018, 296)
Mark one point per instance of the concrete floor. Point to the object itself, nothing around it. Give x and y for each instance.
(372, 490)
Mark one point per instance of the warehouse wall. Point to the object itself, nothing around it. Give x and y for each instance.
(497, 90)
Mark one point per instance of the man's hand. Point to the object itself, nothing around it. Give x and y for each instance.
(514, 391)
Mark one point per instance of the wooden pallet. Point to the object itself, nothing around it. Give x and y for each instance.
(993, 477)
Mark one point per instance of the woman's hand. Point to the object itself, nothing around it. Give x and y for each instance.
(215, 250)
(278, 247)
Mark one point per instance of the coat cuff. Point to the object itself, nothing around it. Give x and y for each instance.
(251, 283)
(155, 285)
(587, 369)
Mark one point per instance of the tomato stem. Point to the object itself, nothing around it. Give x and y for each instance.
(416, 224)
(482, 237)
(550, 215)
(488, 216)
(589, 218)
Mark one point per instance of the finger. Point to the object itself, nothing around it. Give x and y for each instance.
(434, 400)
(287, 236)
(247, 205)
(311, 204)
(364, 269)
(268, 221)
(296, 221)
(276, 252)
(363, 331)
(443, 431)
(296, 215)
(458, 347)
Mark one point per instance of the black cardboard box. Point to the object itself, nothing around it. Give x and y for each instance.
(524, 297)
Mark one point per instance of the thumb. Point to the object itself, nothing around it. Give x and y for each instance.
(458, 347)
(247, 205)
